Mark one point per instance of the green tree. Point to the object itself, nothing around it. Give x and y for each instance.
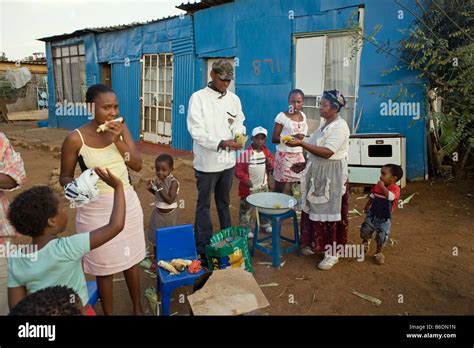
(440, 47)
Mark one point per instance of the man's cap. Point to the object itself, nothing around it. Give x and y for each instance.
(224, 69)
(259, 130)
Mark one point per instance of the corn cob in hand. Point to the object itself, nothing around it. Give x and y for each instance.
(103, 126)
(240, 139)
(286, 138)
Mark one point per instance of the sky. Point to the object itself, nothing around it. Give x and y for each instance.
(22, 22)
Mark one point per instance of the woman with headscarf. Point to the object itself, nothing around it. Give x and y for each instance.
(324, 186)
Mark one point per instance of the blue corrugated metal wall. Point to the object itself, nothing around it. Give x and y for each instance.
(129, 45)
(126, 79)
(257, 30)
(262, 29)
(183, 87)
(52, 119)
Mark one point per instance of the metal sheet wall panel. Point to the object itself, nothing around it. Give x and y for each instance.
(409, 121)
(183, 88)
(126, 82)
(264, 58)
(52, 119)
(219, 35)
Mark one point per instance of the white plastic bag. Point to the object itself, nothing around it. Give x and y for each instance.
(18, 77)
(83, 190)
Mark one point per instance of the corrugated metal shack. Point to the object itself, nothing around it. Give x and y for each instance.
(275, 45)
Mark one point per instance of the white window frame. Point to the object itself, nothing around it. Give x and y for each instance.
(59, 88)
(150, 100)
(326, 35)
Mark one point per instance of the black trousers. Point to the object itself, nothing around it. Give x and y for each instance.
(220, 184)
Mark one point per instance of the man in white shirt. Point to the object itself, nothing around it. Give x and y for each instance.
(214, 120)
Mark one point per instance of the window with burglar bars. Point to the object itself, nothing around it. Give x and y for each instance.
(157, 97)
(70, 73)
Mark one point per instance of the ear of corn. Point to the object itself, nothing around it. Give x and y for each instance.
(180, 264)
(183, 261)
(241, 139)
(168, 267)
(286, 138)
(103, 126)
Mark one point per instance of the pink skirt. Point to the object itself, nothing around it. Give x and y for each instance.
(282, 164)
(124, 250)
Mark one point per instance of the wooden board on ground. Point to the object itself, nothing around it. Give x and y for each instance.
(28, 115)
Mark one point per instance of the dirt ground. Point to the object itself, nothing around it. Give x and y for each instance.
(428, 268)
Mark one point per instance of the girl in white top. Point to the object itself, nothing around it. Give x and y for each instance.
(291, 122)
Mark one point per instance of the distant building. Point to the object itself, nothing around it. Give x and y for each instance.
(28, 102)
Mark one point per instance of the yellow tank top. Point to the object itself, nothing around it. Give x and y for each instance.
(106, 157)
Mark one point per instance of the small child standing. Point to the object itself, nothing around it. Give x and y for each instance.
(382, 202)
(165, 188)
(49, 260)
(252, 170)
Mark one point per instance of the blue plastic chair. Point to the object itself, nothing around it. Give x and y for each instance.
(173, 243)
(93, 292)
(276, 250)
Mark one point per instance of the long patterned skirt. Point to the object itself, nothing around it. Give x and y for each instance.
(318, 234)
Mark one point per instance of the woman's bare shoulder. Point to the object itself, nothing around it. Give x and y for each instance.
(74, 138)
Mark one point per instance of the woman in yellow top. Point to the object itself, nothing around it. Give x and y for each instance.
(113, 149)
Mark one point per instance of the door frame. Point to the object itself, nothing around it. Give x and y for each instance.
(163, 129)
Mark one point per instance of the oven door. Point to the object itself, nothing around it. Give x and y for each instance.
(380, 151)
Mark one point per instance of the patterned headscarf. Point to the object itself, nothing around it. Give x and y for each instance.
(336, 99)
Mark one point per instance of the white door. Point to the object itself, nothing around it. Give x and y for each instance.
(157, 97)
(210, 61)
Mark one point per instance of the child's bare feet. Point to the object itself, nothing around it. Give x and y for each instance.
(379, 259)
(366, 244)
